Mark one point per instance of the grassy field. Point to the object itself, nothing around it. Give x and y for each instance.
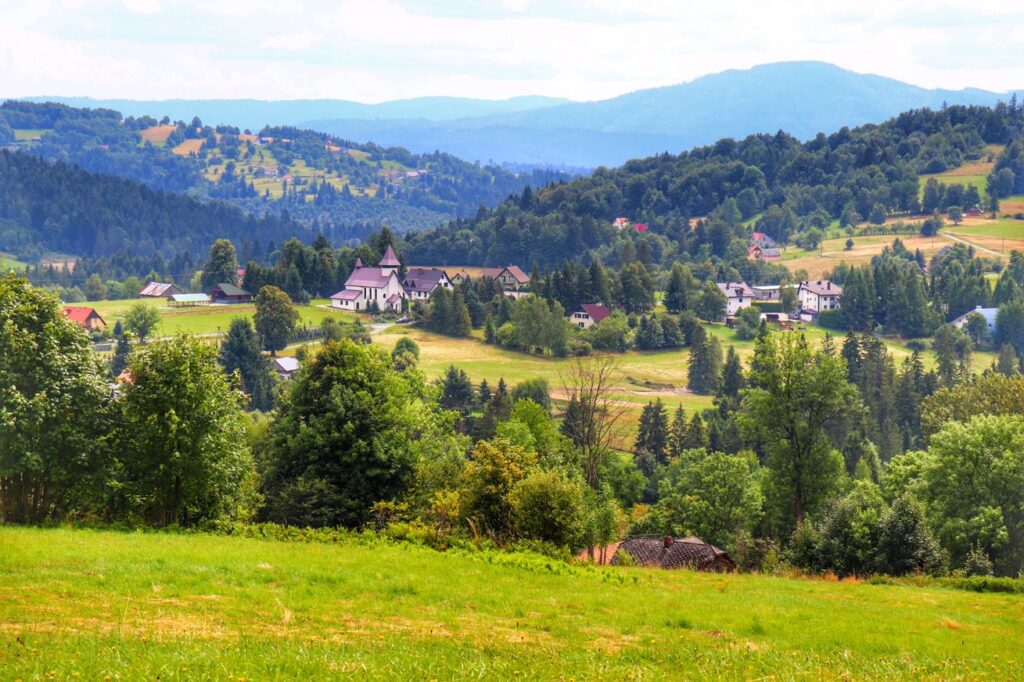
(86, 605)
(9, 262)
(158, 134)
(26, 134)
(820, 262)
(204, 319)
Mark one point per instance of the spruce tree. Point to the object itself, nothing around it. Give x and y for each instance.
(696, 434)
(732, 375)
(677, 433)
(681, 287)
(653, 434)
(120, 359)
(705, 371)
(241, 352)
(1007, 365)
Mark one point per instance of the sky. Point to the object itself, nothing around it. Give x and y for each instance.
(377, 50)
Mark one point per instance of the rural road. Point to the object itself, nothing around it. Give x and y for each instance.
(953, 237)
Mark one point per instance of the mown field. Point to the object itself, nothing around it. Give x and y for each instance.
(211, 319)
(88, 605)
(9, 262)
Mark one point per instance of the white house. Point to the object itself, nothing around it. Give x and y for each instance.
(766, 292)
(817, 296)
(738, 296)
(589, 314)
(368, 286)
(988, 313)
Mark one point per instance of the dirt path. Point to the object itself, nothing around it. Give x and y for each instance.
(978, 247)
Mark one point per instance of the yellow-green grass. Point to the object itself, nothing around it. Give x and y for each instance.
(211, 319)
(26, 134)
(91, 605)
(9, 262)
(190, 146)
(819, 264)
(158, 134)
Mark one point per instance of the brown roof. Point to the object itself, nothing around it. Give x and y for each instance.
(666, 552)
(735, 289)
(159, 290)
(423, 279)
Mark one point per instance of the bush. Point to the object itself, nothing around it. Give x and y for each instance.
(978, 563)
(547, 506)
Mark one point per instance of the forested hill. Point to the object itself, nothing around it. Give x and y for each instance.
(69, 210)
(773, 183)
(346, 189)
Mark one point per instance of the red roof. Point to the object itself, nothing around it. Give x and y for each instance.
(597, 311)
(81, 314)
(641, 227)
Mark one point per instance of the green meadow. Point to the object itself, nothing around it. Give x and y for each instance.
(90, 605)
(211, 319)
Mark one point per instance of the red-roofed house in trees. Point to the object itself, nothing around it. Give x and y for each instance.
(589, 314)
(87, 318)
(367, 287)
(640, 227)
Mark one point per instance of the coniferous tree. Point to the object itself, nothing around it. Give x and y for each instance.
(240, 352)
(1008, 363)
(681, 287)
(696, 433)
(119, 361)
(732, 375)
(677, 433)
(653, 434)
(705, 370)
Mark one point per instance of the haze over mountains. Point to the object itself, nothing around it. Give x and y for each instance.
(802, 98)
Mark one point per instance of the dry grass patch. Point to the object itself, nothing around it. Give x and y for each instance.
(158, 134)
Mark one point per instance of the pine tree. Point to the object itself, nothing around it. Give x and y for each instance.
(696, 434)
(241, 352)
(484, 393)
(489, 332)
(1007, 365)
(120, 359)
(681, 287)
(851, 353)
(732, 375)
(677, 433)
(653, 434)
(705, 370)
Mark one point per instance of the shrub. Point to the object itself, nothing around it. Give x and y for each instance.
(547, 506)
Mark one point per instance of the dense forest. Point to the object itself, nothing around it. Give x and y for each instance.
(696, 205)
(59, 207)
(343, 188)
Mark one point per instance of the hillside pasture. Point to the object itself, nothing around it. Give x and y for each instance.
(819, 263)
(98, 605)
(29, 134)
(190, 146)
(1000, 236)
(157, 135)
(9, 262)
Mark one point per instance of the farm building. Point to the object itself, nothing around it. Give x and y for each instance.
(159, 290)
(666, 552)
(286, 367)
(762, 240)
(86, 318)
(188, 300)
(756, 252)
(589, 314)
(366, 287)
(988, 313)
(229, 293)
(738, 296)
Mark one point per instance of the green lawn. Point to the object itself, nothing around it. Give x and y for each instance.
(9, 262)
(1010, 229)
(204, 319)
(25, 134)
(87, 605)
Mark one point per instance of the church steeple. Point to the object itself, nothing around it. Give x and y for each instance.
(390, 260)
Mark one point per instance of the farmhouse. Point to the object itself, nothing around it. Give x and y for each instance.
(738, 296)
(688, 552)
(756, 252)
(87, 318)
(762, 240)
(368, 287)
(420, 283)
(589, 314)
(988, 313)
(510, 277)
(229, 293)
(286, 367)
(159, 290)
(817, 296)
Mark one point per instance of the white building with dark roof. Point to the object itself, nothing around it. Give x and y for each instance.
(819, 295)
(420, 283)
(738, 296)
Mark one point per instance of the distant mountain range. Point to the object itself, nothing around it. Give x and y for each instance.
(801, 98)
(254, 114)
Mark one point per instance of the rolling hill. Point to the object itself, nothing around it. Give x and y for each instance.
(802, 98)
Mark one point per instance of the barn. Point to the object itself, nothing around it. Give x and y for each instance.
(668, 552)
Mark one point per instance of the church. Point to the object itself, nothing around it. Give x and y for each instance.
(367, 286)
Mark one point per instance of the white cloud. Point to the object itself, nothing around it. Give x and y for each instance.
(372, 50)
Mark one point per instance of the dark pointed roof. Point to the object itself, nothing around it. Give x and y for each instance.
(390, 260)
